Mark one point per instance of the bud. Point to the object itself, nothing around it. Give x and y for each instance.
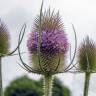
(87, 55)
(53, 45)
(4, 39)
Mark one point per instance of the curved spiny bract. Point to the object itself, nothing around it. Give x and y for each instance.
(4, 39)
(87, 55)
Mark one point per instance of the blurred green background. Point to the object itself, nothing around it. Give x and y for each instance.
(24, 86)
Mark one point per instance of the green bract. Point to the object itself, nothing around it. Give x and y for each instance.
(49, 64)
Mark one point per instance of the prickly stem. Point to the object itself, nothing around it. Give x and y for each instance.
(86, 86)
(48, 80)
(1, 89)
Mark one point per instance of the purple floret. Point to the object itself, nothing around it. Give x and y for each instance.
(52, 42)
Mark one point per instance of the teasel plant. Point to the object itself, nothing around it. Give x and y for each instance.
(4, 48)
(87, 61)
(47, 47)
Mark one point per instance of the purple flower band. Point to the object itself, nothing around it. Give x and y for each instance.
(52, 42)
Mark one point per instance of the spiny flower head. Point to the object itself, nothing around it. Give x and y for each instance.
(53, 43)
(87, 55)
(4, 39)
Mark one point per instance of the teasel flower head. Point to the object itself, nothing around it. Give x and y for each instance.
(4, 39)
(48, 44)
(87, 55)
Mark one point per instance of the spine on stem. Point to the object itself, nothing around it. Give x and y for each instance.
(87, 81)
(48, 80)
(1, 89)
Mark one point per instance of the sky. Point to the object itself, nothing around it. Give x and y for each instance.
(15, 13)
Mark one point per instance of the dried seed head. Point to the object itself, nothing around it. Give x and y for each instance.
(87, 55)
(4, 39)
(53, 45)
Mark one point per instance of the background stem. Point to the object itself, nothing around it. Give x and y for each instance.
(1, 90)
(48, 80)
(86, 86)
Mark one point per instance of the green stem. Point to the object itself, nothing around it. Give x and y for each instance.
(1, 90)
(86, 86)
(48, 85)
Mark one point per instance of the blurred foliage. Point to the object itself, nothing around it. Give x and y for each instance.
(24, 86)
